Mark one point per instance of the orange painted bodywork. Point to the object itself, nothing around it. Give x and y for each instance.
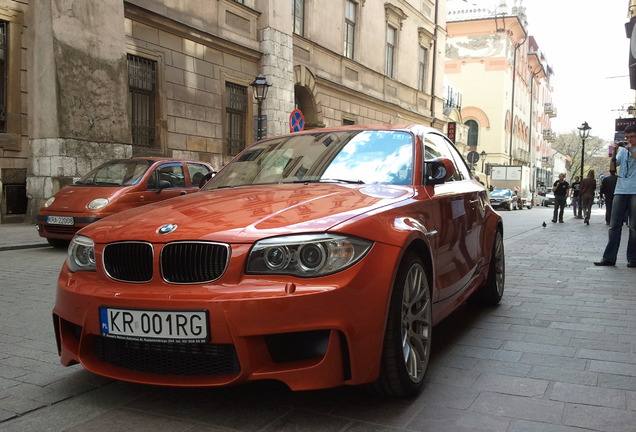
(244, 310)
(74, 199)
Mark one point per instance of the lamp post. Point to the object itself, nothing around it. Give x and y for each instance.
(260, 86)
(483, 155)
(584, 132)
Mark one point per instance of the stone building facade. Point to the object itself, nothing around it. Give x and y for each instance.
(506, 83)
(88, 81)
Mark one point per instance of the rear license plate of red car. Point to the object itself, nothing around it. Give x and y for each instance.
(189, 326)
(60, 220)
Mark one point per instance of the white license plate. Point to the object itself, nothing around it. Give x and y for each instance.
(154, 325)
(60, 220)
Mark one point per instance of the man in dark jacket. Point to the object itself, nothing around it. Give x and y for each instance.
(561, 189)
(608, 184)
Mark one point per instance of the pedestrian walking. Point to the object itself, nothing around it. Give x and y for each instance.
(608, 184)
(624, 157)
(586, 196)
(576, 200)
(560, 189)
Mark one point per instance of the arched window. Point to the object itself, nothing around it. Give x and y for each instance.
(473, 133)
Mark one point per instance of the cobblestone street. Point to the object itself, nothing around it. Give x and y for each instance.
(558, 354)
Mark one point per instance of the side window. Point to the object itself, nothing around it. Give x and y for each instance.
(437, 146)
(172, 172)
(197, 173)
(152, 181)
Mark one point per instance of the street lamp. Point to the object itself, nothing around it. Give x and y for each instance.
(584, 132)
(260, 86)
(483, 155)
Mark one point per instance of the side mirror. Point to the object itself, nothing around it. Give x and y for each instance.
(438, 171)
(163, 184)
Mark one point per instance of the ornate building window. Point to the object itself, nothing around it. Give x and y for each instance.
(394, 20)
(473, 133)
(425, 38)
(299, 17)
(350, 28)
(235, 116)
(142, 96)
(391, 40)
(422, 72)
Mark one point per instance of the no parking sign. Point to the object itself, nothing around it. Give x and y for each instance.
(296, 121)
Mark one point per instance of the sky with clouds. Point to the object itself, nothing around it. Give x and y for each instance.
(586, 44)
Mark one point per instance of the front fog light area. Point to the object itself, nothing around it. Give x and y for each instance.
(81, 254)
(309, 255)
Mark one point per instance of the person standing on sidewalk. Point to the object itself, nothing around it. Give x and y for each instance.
(608, 184)
(586, 196)
(560, 189)
(624, 201)
(576, 199)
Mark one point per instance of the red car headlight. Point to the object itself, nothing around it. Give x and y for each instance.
(307, 255)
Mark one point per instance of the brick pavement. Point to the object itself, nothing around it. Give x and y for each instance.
(558, 354)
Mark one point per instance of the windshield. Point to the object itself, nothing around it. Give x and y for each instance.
(362, 157)
(116, 173)
(500, 192)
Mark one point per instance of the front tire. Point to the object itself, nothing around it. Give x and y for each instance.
(407, 339)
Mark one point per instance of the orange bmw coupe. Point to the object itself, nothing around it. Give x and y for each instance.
(319, 259)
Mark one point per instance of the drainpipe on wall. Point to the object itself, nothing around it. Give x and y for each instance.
(434, 78)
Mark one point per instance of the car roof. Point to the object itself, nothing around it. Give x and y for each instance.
(412, 128)
(154, 159)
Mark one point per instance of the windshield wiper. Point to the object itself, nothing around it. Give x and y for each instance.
(341, 181)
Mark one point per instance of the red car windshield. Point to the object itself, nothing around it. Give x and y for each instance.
(116, 173)
(352, 156)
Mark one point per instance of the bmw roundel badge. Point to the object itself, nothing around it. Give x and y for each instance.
(167, 229)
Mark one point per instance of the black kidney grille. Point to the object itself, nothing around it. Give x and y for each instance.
(173, 359)
(129, 261)
(193, 262)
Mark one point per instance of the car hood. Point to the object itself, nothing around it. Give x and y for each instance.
(246, 214)
(76, 198)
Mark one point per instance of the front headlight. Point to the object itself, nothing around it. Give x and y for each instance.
(81, 254)
(307, 255)
(97, 203)
(49, 201)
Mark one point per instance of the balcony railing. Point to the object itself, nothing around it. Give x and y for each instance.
(550, 110)
(549, 135)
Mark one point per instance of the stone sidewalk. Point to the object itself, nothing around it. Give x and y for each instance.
(20, 236)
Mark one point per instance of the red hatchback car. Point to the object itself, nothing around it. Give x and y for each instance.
(116, 185)
(319, 259)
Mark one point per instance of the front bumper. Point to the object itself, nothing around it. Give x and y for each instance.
(64, 232)
(307, 333)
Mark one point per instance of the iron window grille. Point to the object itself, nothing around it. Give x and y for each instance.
(236, 114)
(142, 92)
(3, 76)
